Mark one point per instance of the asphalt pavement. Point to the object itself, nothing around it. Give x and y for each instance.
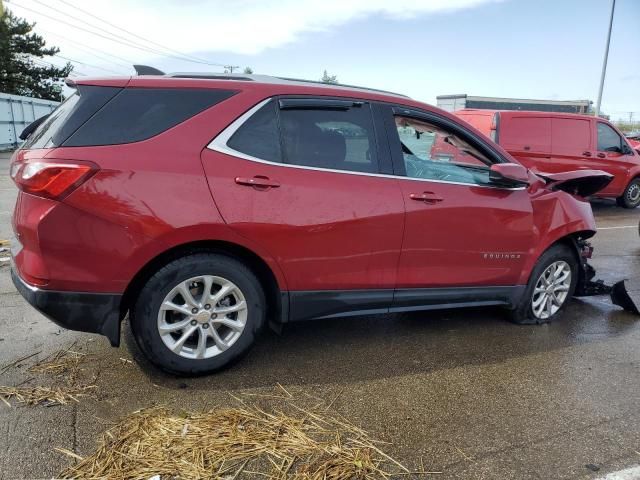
(461, 392)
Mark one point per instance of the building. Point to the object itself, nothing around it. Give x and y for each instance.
(451, 103)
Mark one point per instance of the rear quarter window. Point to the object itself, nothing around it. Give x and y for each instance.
(137, 114)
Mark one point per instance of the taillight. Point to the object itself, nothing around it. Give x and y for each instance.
(50, 179)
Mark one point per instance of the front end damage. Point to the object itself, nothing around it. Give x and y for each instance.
(582, 184)
(587, 286)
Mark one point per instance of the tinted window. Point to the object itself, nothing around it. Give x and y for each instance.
(139, 113)
(41, 138)
(608, 139)
(259, 135)
(433, 153)
(339, 139)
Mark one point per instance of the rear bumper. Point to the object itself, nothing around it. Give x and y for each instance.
(80, 311)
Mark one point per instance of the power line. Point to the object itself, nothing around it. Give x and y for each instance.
(91, 50)
(136, 35)
(127, 43)
(86, 64)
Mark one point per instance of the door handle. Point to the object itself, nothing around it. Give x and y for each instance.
(586, 154)
(426, 197)
(601, 155)
(259, 182)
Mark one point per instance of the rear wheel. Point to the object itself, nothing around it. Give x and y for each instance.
(198, 314)
(631, 196)
(550, 287)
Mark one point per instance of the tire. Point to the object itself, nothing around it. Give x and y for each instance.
(527, 312)
(631, 196)
(213, 343)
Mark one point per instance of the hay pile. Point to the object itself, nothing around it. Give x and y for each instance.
(236, 443)
(58, 363)
(64, 365)
(45, 396)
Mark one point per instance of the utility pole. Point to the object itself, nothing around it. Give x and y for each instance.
(606, 57)
(228, 68)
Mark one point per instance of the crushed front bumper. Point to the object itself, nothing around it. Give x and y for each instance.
(80, 311)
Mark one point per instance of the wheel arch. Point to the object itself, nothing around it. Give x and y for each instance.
(277, 300)
(571, 240)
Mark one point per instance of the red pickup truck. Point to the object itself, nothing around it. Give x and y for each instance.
(560, 142)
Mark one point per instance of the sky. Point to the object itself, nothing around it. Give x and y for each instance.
(542, 49)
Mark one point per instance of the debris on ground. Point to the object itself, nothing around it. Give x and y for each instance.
(237, 443)
(44, 396)
(60, 362)
(64, 366)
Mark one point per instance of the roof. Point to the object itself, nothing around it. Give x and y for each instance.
(523, 113)
(236, 77)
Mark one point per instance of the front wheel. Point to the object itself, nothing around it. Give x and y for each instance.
(631, 196)
(198, 314)
(550, 287)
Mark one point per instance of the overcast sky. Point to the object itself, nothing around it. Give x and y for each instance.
(548, 49)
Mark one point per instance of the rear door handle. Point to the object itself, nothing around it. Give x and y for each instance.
(586, 154)
(259, 181)
(426, 197)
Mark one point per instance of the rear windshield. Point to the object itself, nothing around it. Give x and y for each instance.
(137, 114)
(41, 138)
(69, 116)
(96, 115)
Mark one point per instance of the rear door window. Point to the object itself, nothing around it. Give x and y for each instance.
(608, 139)
(140, 113)
(571, 135)
(258, 137)
(327, 136)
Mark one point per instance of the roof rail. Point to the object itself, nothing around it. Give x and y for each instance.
(145, 70)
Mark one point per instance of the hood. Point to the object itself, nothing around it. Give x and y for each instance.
(578, 182)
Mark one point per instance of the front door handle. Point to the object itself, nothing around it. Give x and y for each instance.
(259, 182)
(601, 155)
(426, 197)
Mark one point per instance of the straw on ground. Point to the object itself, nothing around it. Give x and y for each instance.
(235, 443)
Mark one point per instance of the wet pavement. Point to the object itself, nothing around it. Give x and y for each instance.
(464, 392)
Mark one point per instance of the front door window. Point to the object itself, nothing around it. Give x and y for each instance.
(431, 153)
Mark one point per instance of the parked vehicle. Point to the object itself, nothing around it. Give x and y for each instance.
(207, 207)
(562, 142)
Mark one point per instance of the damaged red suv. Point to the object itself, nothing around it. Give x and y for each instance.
(207, 207)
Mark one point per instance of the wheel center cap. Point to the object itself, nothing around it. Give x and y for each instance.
(202, 316)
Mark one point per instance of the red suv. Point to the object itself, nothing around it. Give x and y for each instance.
(206, 207)
(561, 142)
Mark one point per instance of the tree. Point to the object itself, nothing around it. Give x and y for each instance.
(326, 78)
(20, 71)
(248, 70)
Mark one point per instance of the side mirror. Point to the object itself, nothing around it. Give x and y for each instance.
(509, 173)
(626, 149)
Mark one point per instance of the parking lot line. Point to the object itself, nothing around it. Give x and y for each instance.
(632, 473)
(615, 228)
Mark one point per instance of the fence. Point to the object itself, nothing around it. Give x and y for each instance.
(17, 112)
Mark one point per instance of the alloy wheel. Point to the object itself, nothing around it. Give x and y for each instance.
(202, 317)
(551, 290)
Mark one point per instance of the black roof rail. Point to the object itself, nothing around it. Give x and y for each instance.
(146, 70)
